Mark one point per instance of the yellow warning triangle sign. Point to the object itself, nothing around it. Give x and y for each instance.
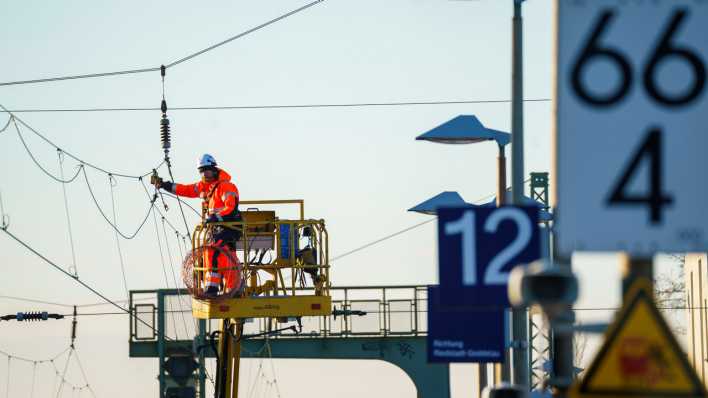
(640, 356)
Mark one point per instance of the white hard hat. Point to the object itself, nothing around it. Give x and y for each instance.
(207, 161)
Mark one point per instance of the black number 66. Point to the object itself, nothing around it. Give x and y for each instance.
(662, 51)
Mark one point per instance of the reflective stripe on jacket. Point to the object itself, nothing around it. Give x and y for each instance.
(224, 198)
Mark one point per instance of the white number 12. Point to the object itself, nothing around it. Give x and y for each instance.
(465, 225)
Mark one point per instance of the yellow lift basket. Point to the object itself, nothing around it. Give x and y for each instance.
(268, 265)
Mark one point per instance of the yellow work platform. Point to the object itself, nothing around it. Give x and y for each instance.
(262, 307)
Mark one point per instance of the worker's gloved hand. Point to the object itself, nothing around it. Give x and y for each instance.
(155, 180)
(214, 218)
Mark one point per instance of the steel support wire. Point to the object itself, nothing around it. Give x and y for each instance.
(177, 62)
(35, 360)
(34, 378)
(100, 210)
(112, 183)
(198, 214)
(81, 161)
(279, 106)
(179, 202)
(174, 279)
(164, 270)
(179, 239)
(68, 215)
(79, 281)
(36, 162)
(9, 120)
(158, 210)
(272, 367)
(62, 380)
(7, 384)
(83, 373)
(4, 218)
(63, 374)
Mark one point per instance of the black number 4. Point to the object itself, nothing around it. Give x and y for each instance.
(655, 198)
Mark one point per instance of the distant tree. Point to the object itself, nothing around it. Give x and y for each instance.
(580, 343)
(670, 294)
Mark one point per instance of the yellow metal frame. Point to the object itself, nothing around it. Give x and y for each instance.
(265, 283)
(263, 307)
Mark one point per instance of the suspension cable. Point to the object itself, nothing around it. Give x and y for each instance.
(36, 162)
(34, 374)
(9, 120)
(81, 161)
(179, 239)
(63, 374)
(7, 385)
(155, 208)
(79, 281)
(68, 216)
(113, 183)
(177, 62)
(100, 210)
(164, 270)
(83, 374)
(174, 278)
(272, 367)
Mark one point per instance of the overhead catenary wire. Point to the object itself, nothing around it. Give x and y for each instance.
(105, 217)
(63, 374)
(156, 209)
(68, 216)
(80, 169)
(83, 374)
(79, 160)
(9, 121)
(112, 184)
(184, 203)
(31, 300)
(61, 179)
(174, 277)
(171, 64)
(61, 380)
(278, 106)
(78, 280)
(272, 367)
(29, 360)
(164, 267)
(393, 235)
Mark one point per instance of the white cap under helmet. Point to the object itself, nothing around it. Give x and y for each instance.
(207, 161)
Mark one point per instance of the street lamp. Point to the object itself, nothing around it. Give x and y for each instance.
(444, 199)
(467, 129)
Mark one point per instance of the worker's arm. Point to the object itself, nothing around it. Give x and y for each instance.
(189, 190)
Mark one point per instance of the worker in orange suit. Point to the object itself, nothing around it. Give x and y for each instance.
(220, 200)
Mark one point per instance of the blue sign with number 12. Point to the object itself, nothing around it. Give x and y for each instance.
(478, 246)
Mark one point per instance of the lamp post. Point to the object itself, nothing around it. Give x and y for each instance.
(519, 316)
(467, 129)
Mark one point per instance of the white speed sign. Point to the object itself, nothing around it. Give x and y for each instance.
(632, 125)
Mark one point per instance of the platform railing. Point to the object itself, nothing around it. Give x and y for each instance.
(359, 311)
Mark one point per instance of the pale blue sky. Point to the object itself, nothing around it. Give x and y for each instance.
(357, 168)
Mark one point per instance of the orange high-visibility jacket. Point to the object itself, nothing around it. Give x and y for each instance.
(221, 195)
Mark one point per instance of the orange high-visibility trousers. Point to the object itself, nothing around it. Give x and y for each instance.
(222, 264)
